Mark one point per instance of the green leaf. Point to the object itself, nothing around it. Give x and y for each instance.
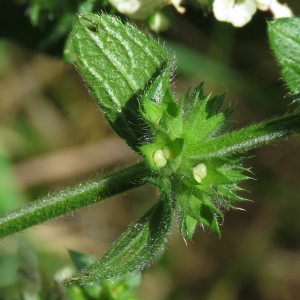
(134, 248)
(118, 289)
(284, 35)
(120, 65)
(190, 226)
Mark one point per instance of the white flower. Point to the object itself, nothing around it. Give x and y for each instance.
(237, 12)
(263, 4)
(176, 4)
(137, 9)
(280, 10)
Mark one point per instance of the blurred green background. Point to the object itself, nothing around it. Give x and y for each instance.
(53, 136)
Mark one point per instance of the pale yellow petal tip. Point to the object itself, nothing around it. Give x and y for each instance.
(200, 172)
(280, 10)
(176, 4)
(159, 158)
(263, 4)
(238, 12)
(181, 9)
(168, 152)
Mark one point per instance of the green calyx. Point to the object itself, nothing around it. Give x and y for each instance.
(202, 185)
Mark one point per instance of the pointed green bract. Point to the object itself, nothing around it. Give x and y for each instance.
(120, 65)
(284, 36)
(134, 248)
(182, 128)
(196, 209)
(201, 120)
(188, 224)
(198, 135)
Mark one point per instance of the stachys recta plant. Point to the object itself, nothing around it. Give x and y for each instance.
(190, 152)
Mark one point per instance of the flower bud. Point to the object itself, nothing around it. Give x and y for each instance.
(168, 152)
(159, 22)
(200, 172)
(159, 158)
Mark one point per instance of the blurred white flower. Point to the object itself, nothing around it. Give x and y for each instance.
(176, 4)
(137, 9)
(263, 4)
(237, 12)
(280, 10)
(277, 9)
(143, 9)
(240, 12)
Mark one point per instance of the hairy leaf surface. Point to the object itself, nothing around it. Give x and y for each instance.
(134, 248)
(120, 65)
(284, 35)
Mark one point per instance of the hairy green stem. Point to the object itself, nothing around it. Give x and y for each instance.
(74, 198)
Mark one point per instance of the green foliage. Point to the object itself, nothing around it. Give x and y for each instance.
(190, 152)
(284, 38)
(175, 139)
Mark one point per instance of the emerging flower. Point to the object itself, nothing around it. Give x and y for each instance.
(237, 12)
